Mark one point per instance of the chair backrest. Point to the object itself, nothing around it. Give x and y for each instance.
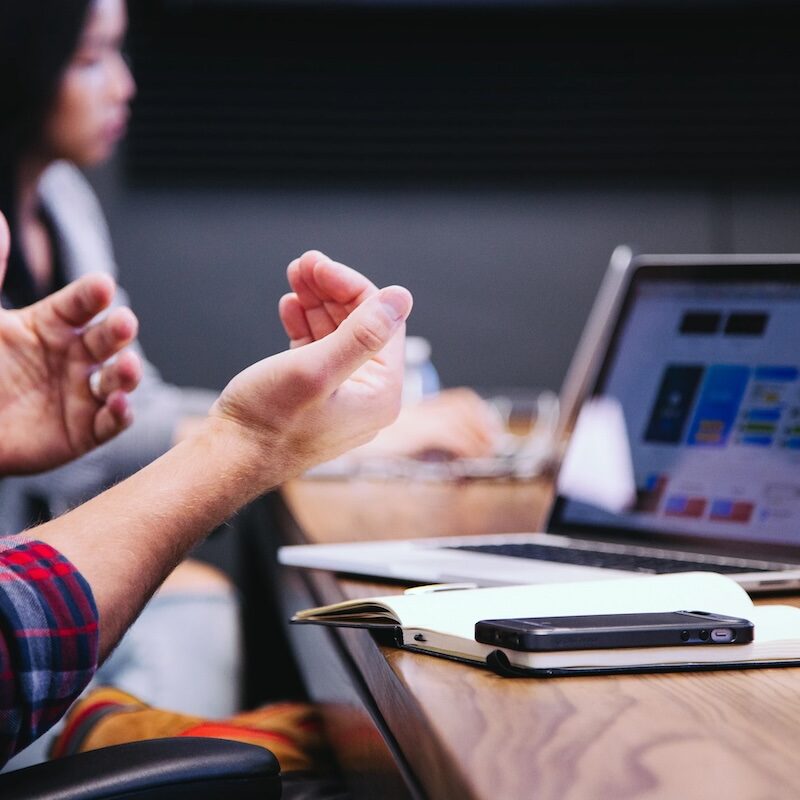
(156, 769)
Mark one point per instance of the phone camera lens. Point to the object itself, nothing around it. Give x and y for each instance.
(684, 636)
(704, 636)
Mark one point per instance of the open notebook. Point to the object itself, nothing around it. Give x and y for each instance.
(441, 621)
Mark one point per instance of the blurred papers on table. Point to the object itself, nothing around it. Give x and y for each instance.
(524, 448)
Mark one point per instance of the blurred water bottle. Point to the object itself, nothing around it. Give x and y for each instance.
(421, 377)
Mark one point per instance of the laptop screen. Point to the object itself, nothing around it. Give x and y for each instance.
(706, 368)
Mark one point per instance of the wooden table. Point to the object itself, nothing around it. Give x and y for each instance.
(408, 725)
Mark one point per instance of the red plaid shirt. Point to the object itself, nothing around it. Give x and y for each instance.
(48, 640)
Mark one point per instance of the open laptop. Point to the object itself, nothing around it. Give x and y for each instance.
(702, 354)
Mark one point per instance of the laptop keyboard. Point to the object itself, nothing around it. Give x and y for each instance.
(620, 560)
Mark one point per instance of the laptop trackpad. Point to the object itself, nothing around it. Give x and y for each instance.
(445, 566)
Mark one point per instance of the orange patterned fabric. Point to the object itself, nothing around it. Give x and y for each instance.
(107, 716)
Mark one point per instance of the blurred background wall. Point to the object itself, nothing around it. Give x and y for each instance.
(488, 156)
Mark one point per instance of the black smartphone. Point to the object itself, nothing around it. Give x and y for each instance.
(598, 631)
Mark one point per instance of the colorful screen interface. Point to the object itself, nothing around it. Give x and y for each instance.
(708, 376)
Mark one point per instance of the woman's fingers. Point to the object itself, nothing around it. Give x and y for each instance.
(106, 338)
(77, 303)
(123, 374)
(112, 417)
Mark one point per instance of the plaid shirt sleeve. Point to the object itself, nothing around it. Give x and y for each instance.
(48, 640)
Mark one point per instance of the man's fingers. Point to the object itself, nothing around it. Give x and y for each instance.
(338, 283)
(316, 279)
(327, 290)
(123, 374)
(79, 302)
(300, 274)
(109, 336)
(113, 417)
(320, 322)
(294, 320)
(364, 334)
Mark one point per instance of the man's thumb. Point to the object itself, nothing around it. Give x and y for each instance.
(367, 330)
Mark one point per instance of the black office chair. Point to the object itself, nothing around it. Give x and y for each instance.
(180, 768)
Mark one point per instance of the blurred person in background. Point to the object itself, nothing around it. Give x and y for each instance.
(65, 90)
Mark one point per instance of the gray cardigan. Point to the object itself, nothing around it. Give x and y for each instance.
(85, 246)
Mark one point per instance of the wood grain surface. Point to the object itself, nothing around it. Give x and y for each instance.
(467, 733)
(358, 510)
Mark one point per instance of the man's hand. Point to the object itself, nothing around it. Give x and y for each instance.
(454, 423)
(272, 421)
(48, 352)
(338, 385)
(323, 295)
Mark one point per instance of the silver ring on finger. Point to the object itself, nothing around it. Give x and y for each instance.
(95, 380)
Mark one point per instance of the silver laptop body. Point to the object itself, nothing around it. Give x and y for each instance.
(702, 353)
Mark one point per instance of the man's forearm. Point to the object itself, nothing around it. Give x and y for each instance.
(273, 420)
(128, 539)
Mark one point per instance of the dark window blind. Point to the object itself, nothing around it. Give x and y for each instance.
(251, 93)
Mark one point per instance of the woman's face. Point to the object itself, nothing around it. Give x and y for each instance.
(90, 112)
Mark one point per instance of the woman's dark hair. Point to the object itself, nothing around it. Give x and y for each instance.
(37, 40)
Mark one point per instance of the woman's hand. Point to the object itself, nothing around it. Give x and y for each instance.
(49, 351)
(455, 423)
